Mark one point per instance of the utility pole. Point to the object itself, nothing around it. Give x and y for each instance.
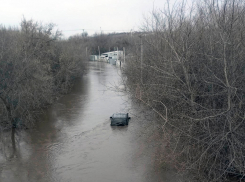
(117, 53)
(141, 57)
(99, 52)
(124, 55)
(99, 56)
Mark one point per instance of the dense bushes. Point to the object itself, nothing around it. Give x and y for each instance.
(35, 66)
(191, 74)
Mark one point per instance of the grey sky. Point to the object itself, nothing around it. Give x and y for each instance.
(72, 16)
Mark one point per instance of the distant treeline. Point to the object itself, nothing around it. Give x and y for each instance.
(100, 43)
(35, 67)
(189, 68)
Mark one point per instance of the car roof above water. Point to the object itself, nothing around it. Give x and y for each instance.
(119, 115)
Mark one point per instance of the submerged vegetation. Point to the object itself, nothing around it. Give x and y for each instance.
(35, 67)
(188, 67)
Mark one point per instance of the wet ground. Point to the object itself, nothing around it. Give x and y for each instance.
(74, 142)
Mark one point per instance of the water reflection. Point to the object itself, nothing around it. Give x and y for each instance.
(13, 144)
(8, 145)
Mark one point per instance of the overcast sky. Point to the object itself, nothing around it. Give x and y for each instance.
(72, 16)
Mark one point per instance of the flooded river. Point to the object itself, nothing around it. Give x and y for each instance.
(74, 142)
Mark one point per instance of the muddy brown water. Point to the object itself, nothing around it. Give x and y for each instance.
(73, 140)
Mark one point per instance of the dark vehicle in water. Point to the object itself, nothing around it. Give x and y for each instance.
(119, 119)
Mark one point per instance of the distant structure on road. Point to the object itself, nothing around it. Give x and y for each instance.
(113, 57)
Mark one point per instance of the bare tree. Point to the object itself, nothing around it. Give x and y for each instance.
(192, 76)
(36, 66)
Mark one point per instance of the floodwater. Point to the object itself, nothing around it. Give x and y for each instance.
(73, 140)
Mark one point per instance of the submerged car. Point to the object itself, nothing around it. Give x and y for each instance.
(119, 119)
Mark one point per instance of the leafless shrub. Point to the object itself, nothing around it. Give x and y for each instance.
(35, 66)
(192, 75)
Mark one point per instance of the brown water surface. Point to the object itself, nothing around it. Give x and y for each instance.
(74, 142)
